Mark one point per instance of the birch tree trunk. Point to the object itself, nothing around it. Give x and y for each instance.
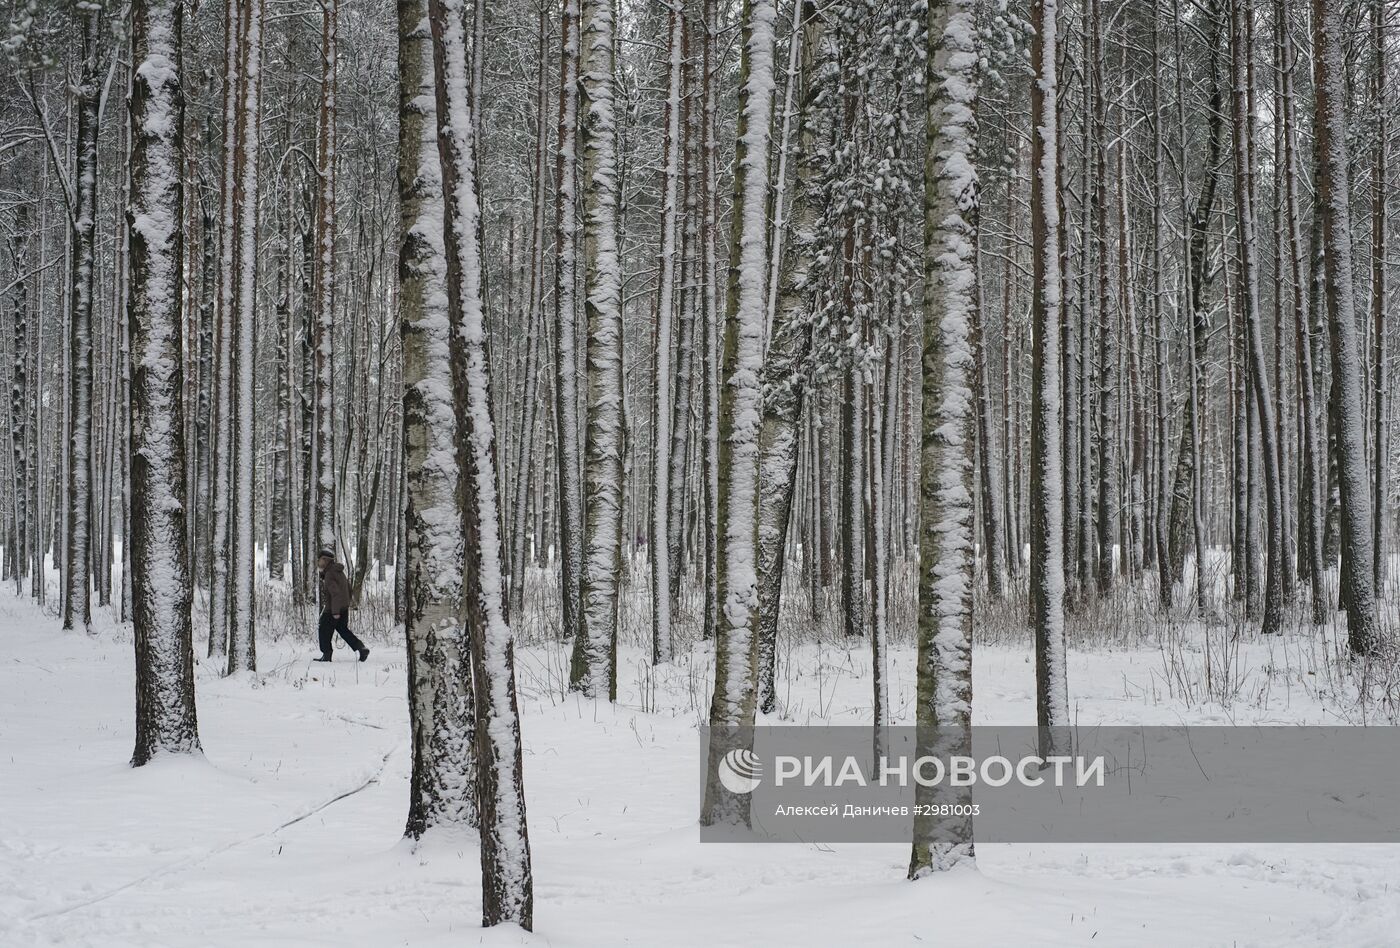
(20, 398)
(442, 720)
(593, 669)
(943, 711)
(741, 404)
(506, 883)
(785, 367)
(324, 290)
(566, 408)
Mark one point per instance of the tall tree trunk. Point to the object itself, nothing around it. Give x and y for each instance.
(785, 368)
(165, 710)
(1047, 575)
(323, 440)
(1380, 370)
(1313, 480)
(242, 651)
(1358, 589)
(1275, 578)
(442, 719)
(741, 403)
(943, 710)
(77, 598)
(659, 544)
(593, 669)
(567, 450)
(507, 889)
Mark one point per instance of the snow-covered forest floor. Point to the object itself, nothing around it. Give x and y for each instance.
(288, 831)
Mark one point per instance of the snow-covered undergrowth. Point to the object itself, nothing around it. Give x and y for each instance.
(288, 831)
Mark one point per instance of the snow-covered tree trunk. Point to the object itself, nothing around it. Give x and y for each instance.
(1334, 196)
(222, 448)
(567, 450)
(660, 544)
(323, 440)
(525, 456)
(507, 887)
(713, 357)
(1312, 480)
(740, 414)
(242, 650)
(593, 669)
(20, 396)
(1107, 319)
(991, 453)
(87, 90)
(165, 710)
(1380, 369)
(1198, 274)
(1275, 580)
(943, 711)
(683, 401)
(1047, 571)
(280, 501)
(442, 792)
(784, 368)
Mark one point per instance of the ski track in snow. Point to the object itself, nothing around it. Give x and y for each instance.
(289, 831)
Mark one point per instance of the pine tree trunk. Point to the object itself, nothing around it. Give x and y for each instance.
(77, 599)
(242, 650)
(1264, 425)
(1358, 590)
(165, 709)
(659, 544)
(1047, 575)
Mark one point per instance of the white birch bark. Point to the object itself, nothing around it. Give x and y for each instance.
(442, 790)
(946, 552)
(565, 328)
(741, 405)
(593, 669)
(507, 887)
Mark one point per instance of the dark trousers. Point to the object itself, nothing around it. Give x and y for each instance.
(330, 625)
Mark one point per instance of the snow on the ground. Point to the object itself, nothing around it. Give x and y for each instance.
(287, 832)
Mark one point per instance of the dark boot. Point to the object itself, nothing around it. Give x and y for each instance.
(325, 658)
(364, 654)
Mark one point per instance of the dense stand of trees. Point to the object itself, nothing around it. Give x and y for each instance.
(748, 308)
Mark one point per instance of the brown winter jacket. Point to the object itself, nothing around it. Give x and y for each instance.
(335, 589)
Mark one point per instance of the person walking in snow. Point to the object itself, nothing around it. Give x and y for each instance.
(335, 607)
